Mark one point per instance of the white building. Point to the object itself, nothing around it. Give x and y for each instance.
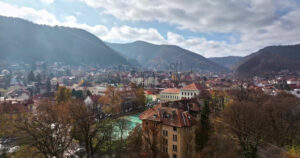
(187, 92)
(296, 92)
(190, 91)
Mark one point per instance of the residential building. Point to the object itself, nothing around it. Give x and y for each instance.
(296, 92)
(187, 92)
(190, 91)
(92, 101)
(176, 127)
(170, 94)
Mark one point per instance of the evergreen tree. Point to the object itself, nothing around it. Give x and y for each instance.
(89, 93)
(31, 77)
(203, 129)
(48, 84)
(38, 78)
(77, 94)
(57, 86)
(73, 93)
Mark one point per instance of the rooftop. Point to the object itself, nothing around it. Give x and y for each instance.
(171, 90)
(169, 116)
(193, 86)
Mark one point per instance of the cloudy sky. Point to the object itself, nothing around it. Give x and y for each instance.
(207, 27)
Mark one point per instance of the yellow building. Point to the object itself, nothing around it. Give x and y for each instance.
(169, 94)
(176, 129)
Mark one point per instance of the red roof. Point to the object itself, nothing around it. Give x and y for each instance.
(193, 86)
(95, 98)
(169, 116)
(30, 101)
(171, 90)
(148, 92)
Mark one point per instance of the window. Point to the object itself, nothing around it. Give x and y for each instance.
(165, 141)
(174, 156)
(174, 137)
(165, 149)
(174, 128)
(165, 133)
(174, 147)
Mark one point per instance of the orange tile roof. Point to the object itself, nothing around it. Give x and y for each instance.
(193, 86)
(169, 116)
(171, 90)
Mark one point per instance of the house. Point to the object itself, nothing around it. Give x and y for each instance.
(296, 92)
(190, 91)
(151, 95)
(292, 81)
(170, 94)
(18, 95)
(187, 92)
(176, 129)
(92, 101)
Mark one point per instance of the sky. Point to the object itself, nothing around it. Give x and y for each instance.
(212, 28)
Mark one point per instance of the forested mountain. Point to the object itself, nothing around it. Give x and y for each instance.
(228, 61)
(165, 57)
(270, 59)
(24, 41)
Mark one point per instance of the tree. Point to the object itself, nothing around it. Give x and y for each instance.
(89, 93)
(151, 139)
(283, 116)
(219, 146)
(8, 116)
(86, 129)
(203, 129)
(38, 78)
(109, 135)
(47, 131)
(57, 86)
(111, 101)
(30, 76)
(63, 95)
(246, 122)
(188, 143)
(140, 100)
(77, 94)
(135, 143)
(48, 85)
(123, 126)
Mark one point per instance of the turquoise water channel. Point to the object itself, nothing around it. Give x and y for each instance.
(133, 121)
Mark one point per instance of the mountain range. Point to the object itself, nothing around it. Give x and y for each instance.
(165, 57)
(24, 41)
(228, 61)
(270, 59)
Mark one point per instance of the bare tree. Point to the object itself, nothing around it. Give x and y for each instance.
(47, 130)
(283, 115)
(189, 143)
(152, 139)
(135, 143)
(246, 122)
(123, 126)
(86, 129)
